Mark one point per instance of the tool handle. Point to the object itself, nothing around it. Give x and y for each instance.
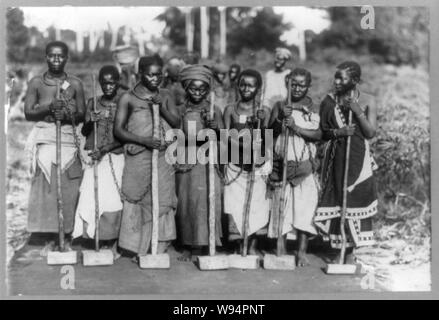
(58, 177)
(345, 195)
(155, 181)
(95, 167)
(212, 216)
(284, 178)
(250, 185)
(345, 190)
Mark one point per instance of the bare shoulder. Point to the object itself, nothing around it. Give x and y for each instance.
(181, 108)
(73, 80)
(164, 92)
(366, 96)
(35, 81)
(124, 98)
(277, 105)
(266, 110)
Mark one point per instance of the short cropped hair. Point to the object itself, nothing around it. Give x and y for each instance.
(300, 72)
(236, 66)
(59, 44)
(109, 69)
(145, 62)
(251, 73)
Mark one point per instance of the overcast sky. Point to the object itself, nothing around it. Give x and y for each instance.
(97, 18)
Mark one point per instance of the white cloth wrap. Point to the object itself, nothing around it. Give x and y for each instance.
(41, 147)
(305, 195)
(235, 197)
(109, 197)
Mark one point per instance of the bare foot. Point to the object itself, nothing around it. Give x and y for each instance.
(350, 259)
(116, 255)
(336, 259)
(302, 260)
(50, 246)
(186, 256)
(252, 249)
(68, 246)
(162, 246)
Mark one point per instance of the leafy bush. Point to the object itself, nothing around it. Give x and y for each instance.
(400, 35)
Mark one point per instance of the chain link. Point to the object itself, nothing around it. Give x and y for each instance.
(74, 128)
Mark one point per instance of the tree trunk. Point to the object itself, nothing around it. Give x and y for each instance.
(223, 13)
(302, 45)
(204, 19)
(189, 30)
(79, 42)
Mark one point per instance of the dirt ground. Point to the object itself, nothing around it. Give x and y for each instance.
(396, 265)
(30, 275)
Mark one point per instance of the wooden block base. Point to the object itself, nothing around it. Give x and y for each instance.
(273, 262)
(219, 262)
(62, 258)
(97, 258)
(156, 261)
(341, 268)
(237, 261)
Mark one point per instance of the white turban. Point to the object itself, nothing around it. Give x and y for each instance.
(283, 53)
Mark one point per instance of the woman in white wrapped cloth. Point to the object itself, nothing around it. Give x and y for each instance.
(302, 188)
(110, 164)
(242, 115)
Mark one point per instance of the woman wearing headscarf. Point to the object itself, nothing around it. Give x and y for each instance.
(192, 178)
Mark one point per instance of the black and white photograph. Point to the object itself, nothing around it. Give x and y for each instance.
(217, 150)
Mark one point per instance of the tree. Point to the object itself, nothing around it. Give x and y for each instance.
(247, 27)
(17, 35)
(255, 30)
(400, 35)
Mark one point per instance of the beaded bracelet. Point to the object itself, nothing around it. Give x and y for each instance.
(362, 115)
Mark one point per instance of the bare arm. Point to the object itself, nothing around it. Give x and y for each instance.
(122, 114)
(227, 117)
(266, 121)
(274, 122)
(31, 112)
(368, 119)
(308, 134)
(170, 113)
(88, 124)
(120, 132)
(80, 101)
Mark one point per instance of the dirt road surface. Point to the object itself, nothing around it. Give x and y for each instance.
(30, 275)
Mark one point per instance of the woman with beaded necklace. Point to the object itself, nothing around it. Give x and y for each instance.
(44, 108)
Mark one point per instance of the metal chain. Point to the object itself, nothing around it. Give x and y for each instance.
(75, 135)
(224, 178)
(123, 196)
